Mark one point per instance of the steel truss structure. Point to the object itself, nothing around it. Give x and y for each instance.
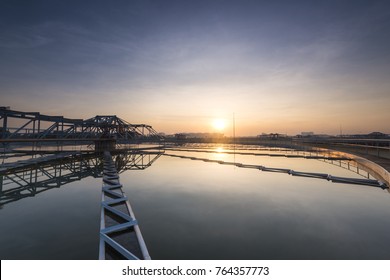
(36, 127)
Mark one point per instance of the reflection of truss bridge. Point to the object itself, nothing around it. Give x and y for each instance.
(133, 160)
(36, 175)
(20, 126)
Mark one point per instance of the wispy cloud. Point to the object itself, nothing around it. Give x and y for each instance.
(194, 60)
(22, 38)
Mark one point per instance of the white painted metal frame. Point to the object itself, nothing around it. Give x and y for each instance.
(111, 183)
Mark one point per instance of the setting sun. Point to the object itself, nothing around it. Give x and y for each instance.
(219, 124)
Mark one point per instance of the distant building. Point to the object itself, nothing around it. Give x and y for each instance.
(378, 135)
(180, 136)
(307, 134)
(272, 136)
(372, 135)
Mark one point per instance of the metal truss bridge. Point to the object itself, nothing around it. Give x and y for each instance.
(120, 236)
(104, 131)
(37, 170)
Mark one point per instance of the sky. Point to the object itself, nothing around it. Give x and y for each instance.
(182, 66)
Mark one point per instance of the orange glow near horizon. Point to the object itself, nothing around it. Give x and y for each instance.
(190, 66)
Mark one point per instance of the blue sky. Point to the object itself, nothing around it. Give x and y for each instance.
(280, 66)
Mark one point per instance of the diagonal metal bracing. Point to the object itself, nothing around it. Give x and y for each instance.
(38, 127)
(34, 179)
(31, 177)
(120, 236)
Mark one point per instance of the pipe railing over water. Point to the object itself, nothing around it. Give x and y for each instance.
(306, 156)
(335, 179)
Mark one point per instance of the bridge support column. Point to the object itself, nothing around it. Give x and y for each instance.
(105, 145)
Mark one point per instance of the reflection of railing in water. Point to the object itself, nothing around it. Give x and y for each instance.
(133, 160)
(40, 159)
(334, 179)
(32, 178)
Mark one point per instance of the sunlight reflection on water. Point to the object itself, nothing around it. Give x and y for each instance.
(189, 209)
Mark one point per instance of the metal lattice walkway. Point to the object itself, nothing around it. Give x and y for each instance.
(120, 236)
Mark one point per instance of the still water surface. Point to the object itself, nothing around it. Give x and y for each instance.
(190, 209)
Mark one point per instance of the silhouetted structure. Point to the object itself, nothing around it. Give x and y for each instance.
(103, 131)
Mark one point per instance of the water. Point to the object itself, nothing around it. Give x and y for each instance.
(190, 209)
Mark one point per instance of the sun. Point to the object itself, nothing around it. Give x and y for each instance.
(219, 124)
